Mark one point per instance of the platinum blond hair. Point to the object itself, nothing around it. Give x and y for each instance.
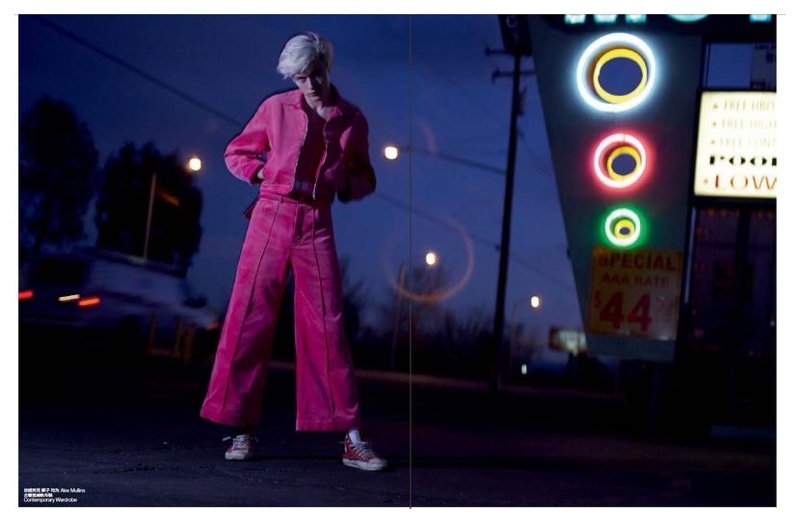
(301, 50)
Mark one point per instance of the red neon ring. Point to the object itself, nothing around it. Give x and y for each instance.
(606, 148)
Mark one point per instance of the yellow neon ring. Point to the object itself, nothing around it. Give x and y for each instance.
(624, 223)
(618, 52)
(616, 153)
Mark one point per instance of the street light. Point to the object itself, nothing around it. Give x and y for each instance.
(195, 165)
(391, 152)
(535, 302)
(431, 259)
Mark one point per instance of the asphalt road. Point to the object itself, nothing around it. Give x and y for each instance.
(129, 442)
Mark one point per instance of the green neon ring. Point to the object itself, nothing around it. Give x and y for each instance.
(619, 218)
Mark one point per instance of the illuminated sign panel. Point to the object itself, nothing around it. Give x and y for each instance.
(730, 27)
(642, 19)
(635, 293)
(567, 340)
(737, 154)
(618, 99)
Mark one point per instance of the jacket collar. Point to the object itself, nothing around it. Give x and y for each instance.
(341, 107)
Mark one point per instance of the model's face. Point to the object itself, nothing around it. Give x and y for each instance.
(314, 82)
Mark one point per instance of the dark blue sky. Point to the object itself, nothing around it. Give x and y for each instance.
(421, 80)
(424, 80)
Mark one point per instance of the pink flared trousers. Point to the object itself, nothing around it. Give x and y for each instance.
(284, 232)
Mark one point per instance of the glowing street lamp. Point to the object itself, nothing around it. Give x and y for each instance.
(514, 339)
(535, 302)
(391, 152)
(194, 165)
(431, 259)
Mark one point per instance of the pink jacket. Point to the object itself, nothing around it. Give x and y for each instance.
(273, 137)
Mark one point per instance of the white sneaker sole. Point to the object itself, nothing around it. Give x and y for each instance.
(363, 466)
(238, 457)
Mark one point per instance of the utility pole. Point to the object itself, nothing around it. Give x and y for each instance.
(149, 215)
(517, 42)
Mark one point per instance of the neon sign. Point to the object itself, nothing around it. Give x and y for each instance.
(741, 27)
(642, 19)
(598, 54)
(610, 149)
(623, 227)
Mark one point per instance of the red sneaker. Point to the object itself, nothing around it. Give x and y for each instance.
(361, 456)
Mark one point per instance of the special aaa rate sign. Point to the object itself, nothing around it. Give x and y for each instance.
(635, 293)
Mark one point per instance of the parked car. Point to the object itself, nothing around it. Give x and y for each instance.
(117, 298)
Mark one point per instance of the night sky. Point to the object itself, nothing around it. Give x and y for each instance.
(189, 82)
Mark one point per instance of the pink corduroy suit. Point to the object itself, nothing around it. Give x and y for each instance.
(306, 163)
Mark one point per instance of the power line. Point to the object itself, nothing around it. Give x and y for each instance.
(462, 161)
(421, 56)
(139, 72)
(238, 124)
(474, 237)
(433, 66)
(431, 217)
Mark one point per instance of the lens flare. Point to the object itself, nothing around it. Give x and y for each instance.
(398, 282)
